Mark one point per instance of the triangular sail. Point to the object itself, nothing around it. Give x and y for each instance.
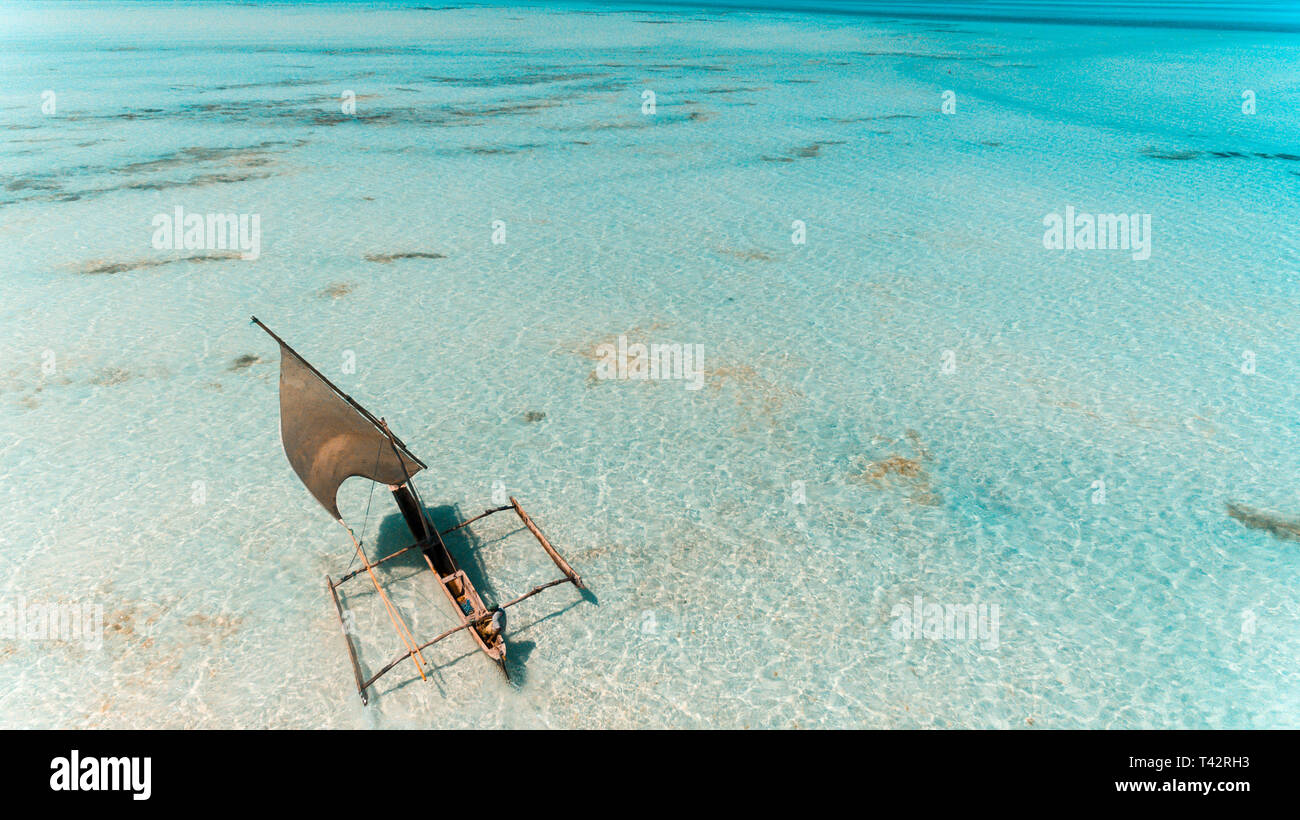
(328, 437)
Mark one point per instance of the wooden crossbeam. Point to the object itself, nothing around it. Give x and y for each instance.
(485, 617)
(570, 577)
(423, 542)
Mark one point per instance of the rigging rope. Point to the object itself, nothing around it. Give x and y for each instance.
(403, 632)
(379, 451)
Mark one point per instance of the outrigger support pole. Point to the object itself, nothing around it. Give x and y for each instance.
(423, 542)
(485, 617)
(546, 545)
(352, 652)
(570, 577)
(483, 514)
(569, 574)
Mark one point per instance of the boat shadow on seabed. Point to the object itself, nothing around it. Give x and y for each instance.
(393, 534)
(328, 438)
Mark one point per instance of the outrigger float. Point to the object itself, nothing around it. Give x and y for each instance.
(329, 438)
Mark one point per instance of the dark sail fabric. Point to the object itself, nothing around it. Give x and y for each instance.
(328, 439)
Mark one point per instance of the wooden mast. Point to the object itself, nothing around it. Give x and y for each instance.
(485, 624)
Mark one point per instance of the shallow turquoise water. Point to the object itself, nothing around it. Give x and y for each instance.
(721, 601)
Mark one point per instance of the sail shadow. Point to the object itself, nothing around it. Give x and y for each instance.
(466, 548)
(394, 535)
(391, 536)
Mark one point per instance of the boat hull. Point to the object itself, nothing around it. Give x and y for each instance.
(455, 584)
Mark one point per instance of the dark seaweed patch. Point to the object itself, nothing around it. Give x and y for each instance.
(328, 118)
(1190, 154)
(658, 120)
(521, 78)
(873, 118)
(336, 290)
(289, 82)
(809, 151)
(196, 182)
(1179, 156)
(1275, 525)
(121, 267)
(489, 150)
(236, 161)
(915, 55)
(899, 472)
(640, 122)
(246, 360)
(685, 68)
(95, 268)
(583, 89)
(242, 156)
(322, 110)
(389, 258)
(111, 376)
(26, 183)
(749, 255)
(504, 109)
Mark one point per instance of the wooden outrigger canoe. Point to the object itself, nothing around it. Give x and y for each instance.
(453, 581)
(328, 438)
